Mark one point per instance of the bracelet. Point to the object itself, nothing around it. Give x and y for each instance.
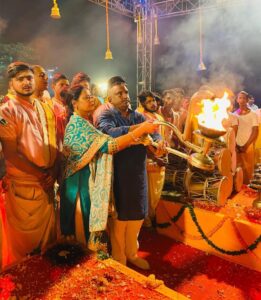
(134, 138)
(113, 146)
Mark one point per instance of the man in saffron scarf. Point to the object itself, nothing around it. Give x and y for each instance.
(29, 144)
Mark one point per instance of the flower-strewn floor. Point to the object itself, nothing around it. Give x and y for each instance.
(39, 278)
(195, 274)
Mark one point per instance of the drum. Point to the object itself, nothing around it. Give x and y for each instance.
(215, 189)
(175, 180)
(229, 185)
(238, 179)
(223, 161)
(174, 173)
(194, 183)
(178, 180)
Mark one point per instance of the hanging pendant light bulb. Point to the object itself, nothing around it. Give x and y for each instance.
(55, 12)
(201, 66)
(156, 37)
(108, 54)
(139, 33)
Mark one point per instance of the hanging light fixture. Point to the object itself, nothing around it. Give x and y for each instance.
(55, 12)
(201, 66)
(139, 32)
(156, 37)
(108, 54)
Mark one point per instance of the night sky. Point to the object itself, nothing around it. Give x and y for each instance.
(77, 42)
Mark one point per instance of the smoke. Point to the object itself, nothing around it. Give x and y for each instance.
(231, 49)
(3, 25)
(77, 42)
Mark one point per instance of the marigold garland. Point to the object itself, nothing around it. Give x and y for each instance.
(204, 236)
(173, 219)
(209, 234)
(240, 238)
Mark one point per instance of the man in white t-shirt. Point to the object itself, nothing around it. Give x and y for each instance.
(247, 134)
(251, 103)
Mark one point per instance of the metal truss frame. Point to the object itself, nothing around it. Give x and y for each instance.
(124, 7)
(166, 8)
(144, 51)
(163, 9)
(170, 8)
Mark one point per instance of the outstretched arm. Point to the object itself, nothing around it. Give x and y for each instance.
(126, 140)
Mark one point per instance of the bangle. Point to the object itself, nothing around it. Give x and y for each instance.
(134, 138)
(113, 146)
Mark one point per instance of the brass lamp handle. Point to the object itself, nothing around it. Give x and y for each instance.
(173, 151)
(179, 136)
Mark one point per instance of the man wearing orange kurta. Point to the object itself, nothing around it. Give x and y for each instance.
(155, 166)
(169, 115)
(60, 86)
(29, 144)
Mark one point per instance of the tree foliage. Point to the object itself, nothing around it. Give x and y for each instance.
(14, 52)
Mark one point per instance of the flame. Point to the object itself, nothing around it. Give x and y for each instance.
(214, 112)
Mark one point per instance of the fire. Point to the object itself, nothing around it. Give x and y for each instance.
(214, 112)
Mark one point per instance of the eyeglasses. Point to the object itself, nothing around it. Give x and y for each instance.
(88, 97)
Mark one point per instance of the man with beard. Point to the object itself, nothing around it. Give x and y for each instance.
(29, 144)
(155, 164)
(60, 86)
(130, 178)
(169, 115)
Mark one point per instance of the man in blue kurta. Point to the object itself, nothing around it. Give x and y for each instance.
(130, 179)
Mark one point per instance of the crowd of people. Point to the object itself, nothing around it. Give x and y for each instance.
(98, 153)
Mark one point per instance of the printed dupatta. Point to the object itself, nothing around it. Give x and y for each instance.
(82, 143)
